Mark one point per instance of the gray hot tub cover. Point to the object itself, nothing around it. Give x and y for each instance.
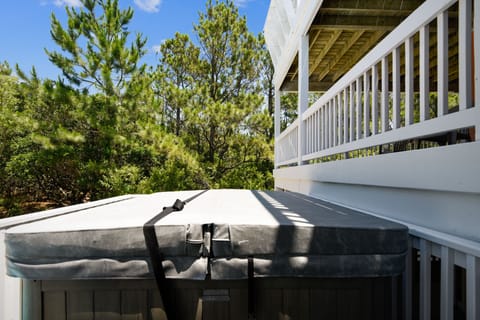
(287, 234)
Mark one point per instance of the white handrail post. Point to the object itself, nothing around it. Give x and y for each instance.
(425, 279)
(302, 93)
(473, 288)
(446, 289)
(407, 282)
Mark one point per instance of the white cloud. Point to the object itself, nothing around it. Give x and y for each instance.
(242, 3)
(148, 5)
(70, 3)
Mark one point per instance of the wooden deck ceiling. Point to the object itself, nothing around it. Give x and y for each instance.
(342, 33)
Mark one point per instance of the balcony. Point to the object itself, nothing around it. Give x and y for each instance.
(395, 132)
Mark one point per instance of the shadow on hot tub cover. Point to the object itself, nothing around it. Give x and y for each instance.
(288, 235)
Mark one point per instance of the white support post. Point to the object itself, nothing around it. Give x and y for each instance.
(396, 87)
(384, 103)
(374, 99)
(302, 93)
(358, 111)
(442, 63)
(425, 279)
(366, 105)
(323, 125)
(409, 72)
(465, 53)
(447, 289)
(352, 114)
(473, 288)
(424, 73)
(277, 121)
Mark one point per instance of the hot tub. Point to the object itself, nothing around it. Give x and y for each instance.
(227, 254)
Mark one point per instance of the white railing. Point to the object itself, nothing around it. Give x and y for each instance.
(451, 251)
(287, 149)
(362, 111)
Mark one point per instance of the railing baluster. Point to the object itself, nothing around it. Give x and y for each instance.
(324, 128)
(330, 124)
(366, 105)
(409, 72)
(465, 53)
(315, 131)
(473, 288)
(296, 150)
(340, 118)
(318, 131)
(384, 103)
(335, 120)
(306, 138)
(345, 115)
(396, 87)
(374, 99)
(310, 135)
(424, 74)
(358, 103)
(447, 289)
(425, 279)
(442, 63)
(352, 114)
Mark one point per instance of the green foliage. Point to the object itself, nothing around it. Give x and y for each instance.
(200, 119)
(214, 95)
(107, 61)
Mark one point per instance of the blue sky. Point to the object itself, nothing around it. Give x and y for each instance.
(25, 26)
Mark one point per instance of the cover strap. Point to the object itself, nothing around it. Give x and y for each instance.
(156, 256)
